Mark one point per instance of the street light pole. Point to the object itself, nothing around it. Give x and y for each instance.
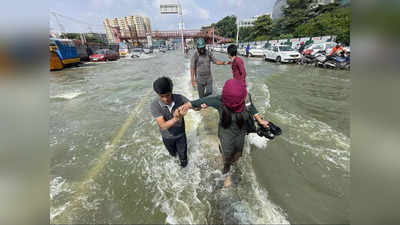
(213, 29)
(181, 25)
(175, 9)
(237, 33)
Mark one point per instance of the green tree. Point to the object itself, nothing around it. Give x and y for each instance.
(71, 36)
(226, 27)
(263, 26)
(331, 23)
(246, 34)
(295, 14)
(285, 36)
(261, 30)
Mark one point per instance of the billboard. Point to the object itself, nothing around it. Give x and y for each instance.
(169, 9)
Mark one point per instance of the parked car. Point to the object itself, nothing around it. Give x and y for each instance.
(148, 50)
(241, 50)
(314, 48)
(136, 52)
(256, 51)
(282, 53)
(224, 49)
(104, 55)
(217, 49)
(163, 49)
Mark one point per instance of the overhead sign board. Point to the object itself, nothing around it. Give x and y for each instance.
(169, 9)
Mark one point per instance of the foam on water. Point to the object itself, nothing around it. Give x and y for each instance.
(329, 144)
(54, 212)
(267, 96)
(259, 142)
(58, 185)
(67, 96)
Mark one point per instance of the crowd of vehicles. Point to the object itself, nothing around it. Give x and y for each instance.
(317, 54)
(66, 52)
(136, 52)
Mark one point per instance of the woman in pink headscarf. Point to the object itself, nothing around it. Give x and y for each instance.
(236, 113)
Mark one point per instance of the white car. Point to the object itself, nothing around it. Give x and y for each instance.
(257, 51)
(282, 53)
(217, 49)
(241, 51)
(147, 50)
(224, 49)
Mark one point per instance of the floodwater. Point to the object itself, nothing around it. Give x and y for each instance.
(109, 164)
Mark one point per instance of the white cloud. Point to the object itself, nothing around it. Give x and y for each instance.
(102, 3)
(239, 3)
(204, 14)
(191, 8)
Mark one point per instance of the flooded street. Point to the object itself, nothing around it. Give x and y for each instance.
(109, 164)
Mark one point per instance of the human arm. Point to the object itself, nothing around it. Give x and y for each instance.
(260, 120)
(216, 61)
(202, 103)
(255, 113)
(157, 113)
(213, 101)
(192, 77)
(193, 69)
(165, 125)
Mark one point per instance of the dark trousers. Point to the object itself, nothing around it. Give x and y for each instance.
(205, 88)
(177, 146)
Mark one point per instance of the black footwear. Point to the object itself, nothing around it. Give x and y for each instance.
(184, 163)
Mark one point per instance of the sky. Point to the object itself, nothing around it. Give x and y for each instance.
(196, 13)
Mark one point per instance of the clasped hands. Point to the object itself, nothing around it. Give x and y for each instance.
(183, 109)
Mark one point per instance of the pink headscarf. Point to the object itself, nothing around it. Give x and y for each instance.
(234, 95)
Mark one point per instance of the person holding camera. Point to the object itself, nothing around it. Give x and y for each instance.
(237, 114)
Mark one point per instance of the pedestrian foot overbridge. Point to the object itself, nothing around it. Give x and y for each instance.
(208, 35)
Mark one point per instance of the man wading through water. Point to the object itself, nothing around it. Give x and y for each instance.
(172, 125)
(200, 69)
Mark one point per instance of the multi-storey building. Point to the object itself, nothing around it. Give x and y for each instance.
(129, 26)
(250, 22)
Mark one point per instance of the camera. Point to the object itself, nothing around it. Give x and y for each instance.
(269, 132)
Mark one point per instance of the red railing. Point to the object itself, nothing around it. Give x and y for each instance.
(173, 34)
